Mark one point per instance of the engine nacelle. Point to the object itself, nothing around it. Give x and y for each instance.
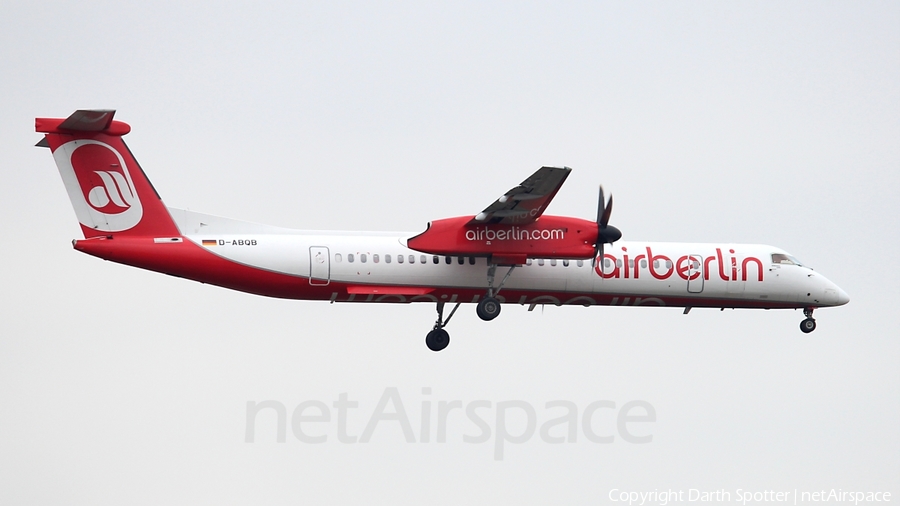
(548, 237)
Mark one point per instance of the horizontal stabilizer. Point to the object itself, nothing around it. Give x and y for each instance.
(83, 121)
(88, 121)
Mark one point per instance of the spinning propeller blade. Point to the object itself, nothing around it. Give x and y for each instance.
(606, 233)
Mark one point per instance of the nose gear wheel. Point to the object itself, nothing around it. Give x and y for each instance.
(809, 324)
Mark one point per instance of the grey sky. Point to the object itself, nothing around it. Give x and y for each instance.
(761, 123)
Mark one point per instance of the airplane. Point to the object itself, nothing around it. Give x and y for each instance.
(540, 259)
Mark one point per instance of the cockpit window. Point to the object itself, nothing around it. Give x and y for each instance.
(781, 258)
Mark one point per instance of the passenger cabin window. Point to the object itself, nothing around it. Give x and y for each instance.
(387, 259)
(460, 260)
(540, 261)
(337, 257)
(375, 258)
(399, 258)
(362, 257)
(471, 260)
(579, 263)
(448, 260)
(422, 259)
(436, 260)
(565, 263)
(643, 264)
(528, 262)
(350, 257)
(553, 262)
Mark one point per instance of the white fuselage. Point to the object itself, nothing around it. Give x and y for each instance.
(633, 273)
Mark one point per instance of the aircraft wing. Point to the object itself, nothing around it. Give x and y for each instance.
(525, 203)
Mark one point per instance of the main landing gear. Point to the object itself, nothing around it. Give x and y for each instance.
(809, 324)
(438, 338)
(488, 308)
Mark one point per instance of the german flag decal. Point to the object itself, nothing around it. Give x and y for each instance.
(209, 242)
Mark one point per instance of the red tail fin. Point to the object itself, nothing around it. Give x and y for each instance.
(108, 189)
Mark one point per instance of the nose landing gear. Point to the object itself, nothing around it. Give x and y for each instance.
(809, 324)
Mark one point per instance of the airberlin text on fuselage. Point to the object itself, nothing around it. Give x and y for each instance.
(514, 234)
(688, 267)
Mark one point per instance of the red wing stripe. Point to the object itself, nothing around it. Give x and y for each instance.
(388, 290)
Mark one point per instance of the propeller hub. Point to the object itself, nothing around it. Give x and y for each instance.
(609, 234)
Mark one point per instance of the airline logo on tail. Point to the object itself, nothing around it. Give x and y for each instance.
(114, 190)
(99, 185)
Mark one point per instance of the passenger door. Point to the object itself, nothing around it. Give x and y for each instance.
(319, 266)
(695, 274)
